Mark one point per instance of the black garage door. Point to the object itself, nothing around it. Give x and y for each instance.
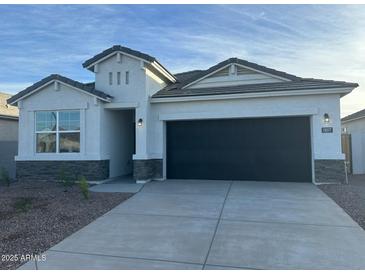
(264, 149)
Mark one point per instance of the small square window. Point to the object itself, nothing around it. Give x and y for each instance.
(110, 78)
(118, 78)
(127, 77)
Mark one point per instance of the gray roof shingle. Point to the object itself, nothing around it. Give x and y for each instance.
(130, 51)
(355, 115)
(118, 48)
(89, 88)
(301, 84)
(295, 83)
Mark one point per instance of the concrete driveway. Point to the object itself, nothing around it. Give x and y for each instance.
(216, 225)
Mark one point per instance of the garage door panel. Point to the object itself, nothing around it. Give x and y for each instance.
(276, 149)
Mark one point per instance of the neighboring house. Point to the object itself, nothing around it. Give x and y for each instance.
(354, 127)
(236, 121)
(8, 134)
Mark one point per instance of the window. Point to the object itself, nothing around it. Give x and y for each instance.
(118, 78)
(57, 131)
(127, 77)
(110, 78)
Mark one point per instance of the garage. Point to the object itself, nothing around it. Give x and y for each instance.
(259, 149)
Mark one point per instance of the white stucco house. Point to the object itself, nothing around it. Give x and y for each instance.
(354, 126)
(236, 120)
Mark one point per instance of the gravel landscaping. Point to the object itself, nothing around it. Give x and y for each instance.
(350, 197)
(36, 216)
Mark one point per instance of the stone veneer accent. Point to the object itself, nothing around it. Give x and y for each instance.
(329, 171)
(147, 169)
(50, 170)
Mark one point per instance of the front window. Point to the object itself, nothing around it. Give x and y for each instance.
(58, 131)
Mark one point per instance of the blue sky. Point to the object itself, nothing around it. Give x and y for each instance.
(319, 41)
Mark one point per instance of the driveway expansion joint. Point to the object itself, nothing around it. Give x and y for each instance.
(286, 223)
(216, 227)
(124, 257)
(164, 215)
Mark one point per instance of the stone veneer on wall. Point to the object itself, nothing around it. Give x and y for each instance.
(50, 170)
(147, 169)
(329, 171)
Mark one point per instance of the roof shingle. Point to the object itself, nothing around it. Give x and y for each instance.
(89, 88)
(178, 89)
(356, 115)
(301, 84)
(118, 48)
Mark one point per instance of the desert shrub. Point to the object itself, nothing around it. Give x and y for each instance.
(4, 177)
(64, 179)
(23, 204)
(84, 187)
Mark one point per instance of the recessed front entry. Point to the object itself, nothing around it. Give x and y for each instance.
(261, 149)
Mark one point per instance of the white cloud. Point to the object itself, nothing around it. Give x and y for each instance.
(319, 41)
(13, 88)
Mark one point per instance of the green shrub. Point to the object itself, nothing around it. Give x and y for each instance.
(64, 179)
(23, 204)
(4, 176)
(84, 187)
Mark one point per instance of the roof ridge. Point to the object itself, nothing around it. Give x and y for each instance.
(118, 48)
(189, 71)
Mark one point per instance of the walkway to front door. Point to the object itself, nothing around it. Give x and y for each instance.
(217, 225)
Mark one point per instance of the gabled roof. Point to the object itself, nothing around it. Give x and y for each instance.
(118, 48)
(354, 116)
(88, 88)
(254, 66)
(7, 111)
(300, 84)
(181, 87)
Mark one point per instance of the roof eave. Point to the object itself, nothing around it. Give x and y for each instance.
(14, 99)
(352, 119)
(9, 117)
(236, 95)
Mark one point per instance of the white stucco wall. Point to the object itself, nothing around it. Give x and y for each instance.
(67, 98)
(357, 130)
(325, 145)
(142, 84)
(134, 91)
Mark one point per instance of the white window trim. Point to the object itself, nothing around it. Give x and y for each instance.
(57, 132)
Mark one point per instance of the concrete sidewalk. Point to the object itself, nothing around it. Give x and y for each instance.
(216, 225)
